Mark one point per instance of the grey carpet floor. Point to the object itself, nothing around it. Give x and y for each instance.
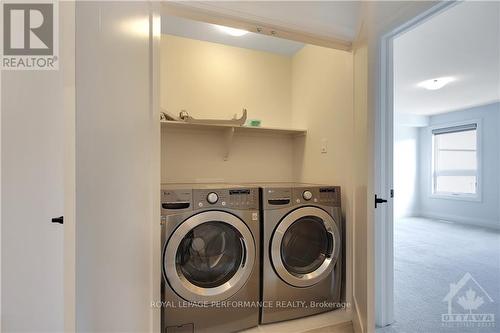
(429, 255)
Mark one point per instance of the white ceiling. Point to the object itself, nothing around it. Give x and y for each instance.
(334, 19)
(464, 43)
(208, 32)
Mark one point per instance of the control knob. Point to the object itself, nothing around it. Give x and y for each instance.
(212, 197)
(307, 195)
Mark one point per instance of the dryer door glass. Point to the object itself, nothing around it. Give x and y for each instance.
(305, 245)
(210, 254)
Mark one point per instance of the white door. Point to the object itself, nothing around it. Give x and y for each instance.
(35, 149)
(32, 194)
(363, 270)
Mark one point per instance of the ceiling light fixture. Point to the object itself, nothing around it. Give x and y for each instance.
(232, 31)
(435, 84)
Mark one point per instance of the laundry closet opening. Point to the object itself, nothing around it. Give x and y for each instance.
(239, 107)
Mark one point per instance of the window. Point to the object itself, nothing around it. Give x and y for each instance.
(455, 161)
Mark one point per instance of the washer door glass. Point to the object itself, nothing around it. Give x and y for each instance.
(210, 254)
(305, 245)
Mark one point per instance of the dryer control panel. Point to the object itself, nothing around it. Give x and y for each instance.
(276, 197)
(320, 195)
(176, 200)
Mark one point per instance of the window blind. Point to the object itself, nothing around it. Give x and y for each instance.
(455, 129)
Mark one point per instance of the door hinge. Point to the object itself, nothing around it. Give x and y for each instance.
(379, 201)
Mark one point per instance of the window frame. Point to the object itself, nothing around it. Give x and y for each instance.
(458, 196)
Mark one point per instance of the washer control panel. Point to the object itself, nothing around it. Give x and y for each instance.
(237, 198)
(321, 195)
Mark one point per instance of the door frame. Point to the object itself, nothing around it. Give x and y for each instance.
(204, 11)
(67, 17)
(209, 14)
(384, 167)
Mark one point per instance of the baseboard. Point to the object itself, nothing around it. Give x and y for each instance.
(319, 323)
(343, 327)
(476, 222)
(357, 322)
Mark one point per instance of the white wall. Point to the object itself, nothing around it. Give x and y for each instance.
(485, 212)
(293, 95)
(211, 80)
(117, 168)
(410, 120)
(322, 102)
(198, 157)
(406, 166)
(406, 163)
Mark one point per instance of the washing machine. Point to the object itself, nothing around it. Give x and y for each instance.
(210, 258)
(301, 250)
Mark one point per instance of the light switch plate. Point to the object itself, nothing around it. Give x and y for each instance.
(324, 146)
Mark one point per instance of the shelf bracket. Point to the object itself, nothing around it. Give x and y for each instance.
(228, 141)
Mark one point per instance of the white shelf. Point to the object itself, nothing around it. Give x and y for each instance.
(230, 130)
(242, 129)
